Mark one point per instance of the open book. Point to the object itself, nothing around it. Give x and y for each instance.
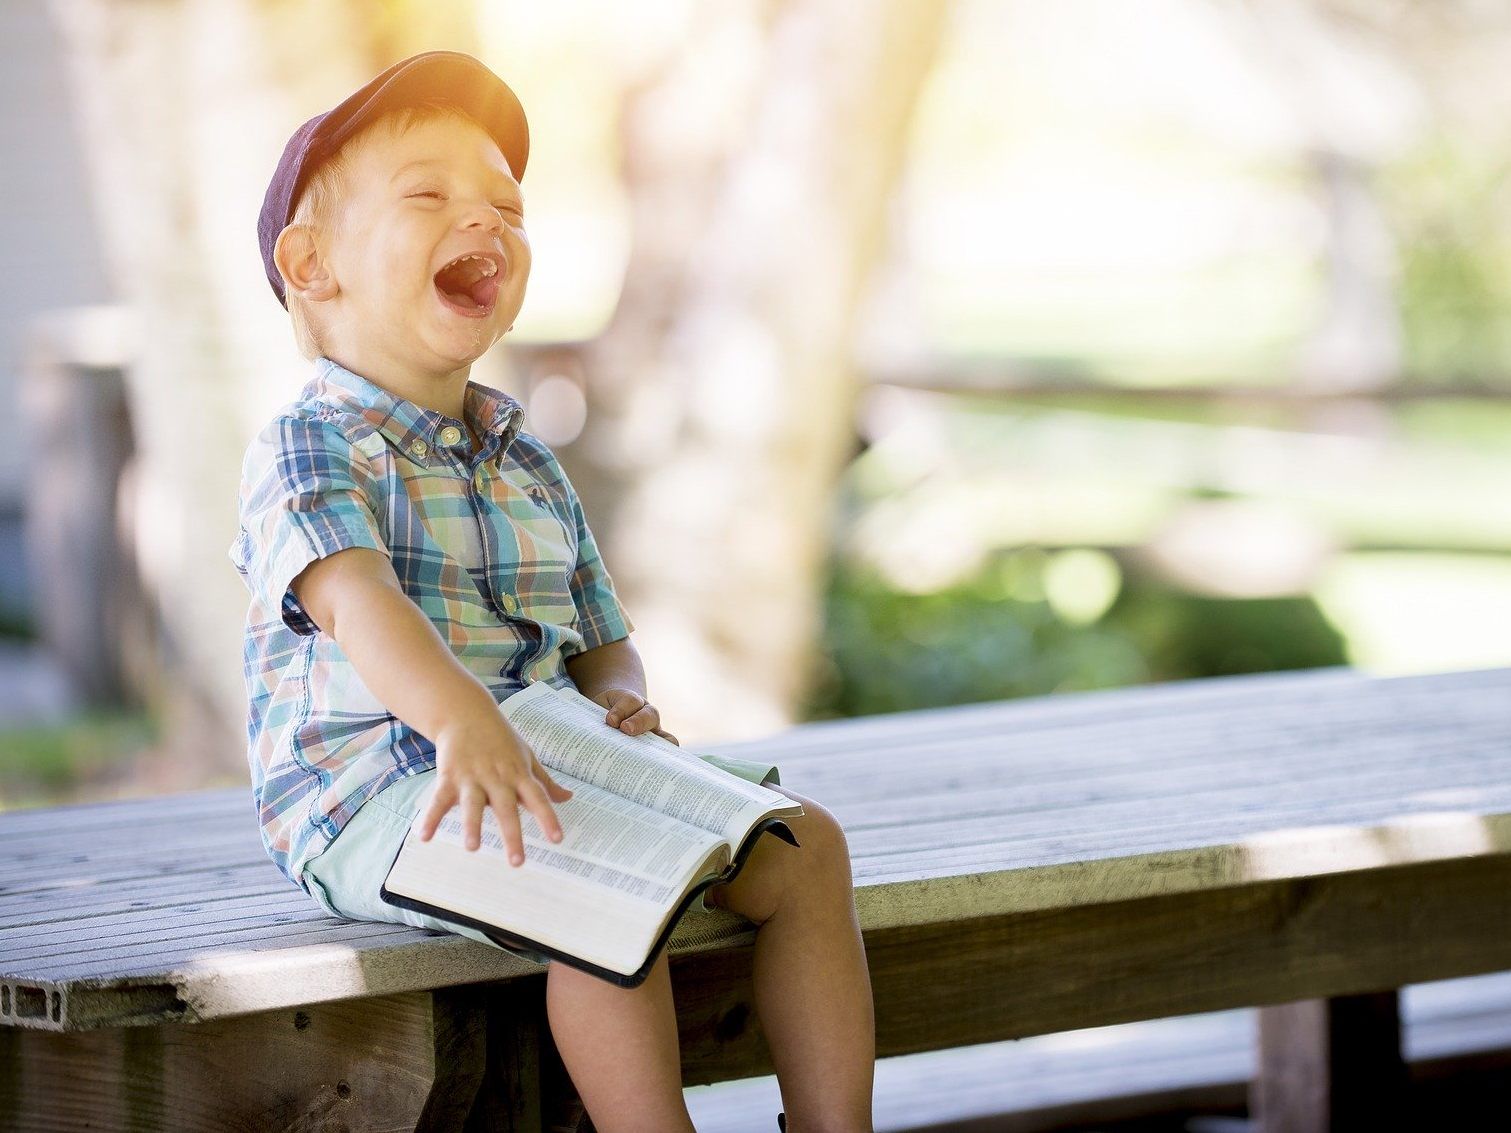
(649, 826)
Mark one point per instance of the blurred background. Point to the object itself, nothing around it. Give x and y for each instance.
(904, 353)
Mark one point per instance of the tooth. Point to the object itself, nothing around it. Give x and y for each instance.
(488, 267)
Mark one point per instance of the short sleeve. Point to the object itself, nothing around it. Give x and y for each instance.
(306, 492)
(601, 617)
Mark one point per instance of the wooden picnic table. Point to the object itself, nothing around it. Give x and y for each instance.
(1306, 841)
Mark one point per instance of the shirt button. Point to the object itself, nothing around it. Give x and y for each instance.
(478, 478)
(509, 604)
(450, 435)
(418, 447)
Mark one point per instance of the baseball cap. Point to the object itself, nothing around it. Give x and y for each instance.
(448, 76)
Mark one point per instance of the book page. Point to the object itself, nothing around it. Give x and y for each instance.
(584, 912)
(568, 734)
(605, 840)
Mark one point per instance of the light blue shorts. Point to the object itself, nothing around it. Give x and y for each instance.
(345, 878)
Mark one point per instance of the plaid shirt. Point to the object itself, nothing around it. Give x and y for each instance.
(492, 546)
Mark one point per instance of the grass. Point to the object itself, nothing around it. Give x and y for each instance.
(45, 765)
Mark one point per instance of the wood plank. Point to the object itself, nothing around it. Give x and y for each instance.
(383, 1064)
(1347, 696)
(824, 742)
(1128, 703)
(1455, 1031)
(251, 941)
(1108, 820)
(1003, 789)
(1149, 770)
(1408, 831)
(206, 921)
(1328, 1064)
(125, 931)
(1029, 810)
(206, 867)
(909, 903)
(932, 821)
(92, 818)
(1093, 743)
(350, 958)
(1137, 759)
(1040, 804)
(172, 928)
(980, 829)
(1034, 973)
(1025, 856)
(88, 900)
(926, 901)
(1105, 818)
(165, 829)
(227, 984)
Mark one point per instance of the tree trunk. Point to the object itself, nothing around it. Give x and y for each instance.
(723, 389)
(1357, 342)
(185, 106)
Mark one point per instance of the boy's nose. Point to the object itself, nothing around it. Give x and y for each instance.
(483, 215)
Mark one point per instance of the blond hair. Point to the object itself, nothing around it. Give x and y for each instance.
(319, 202)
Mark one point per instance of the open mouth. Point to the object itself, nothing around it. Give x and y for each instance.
(469, 285)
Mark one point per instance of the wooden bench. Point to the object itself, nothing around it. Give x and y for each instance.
(1306, 841)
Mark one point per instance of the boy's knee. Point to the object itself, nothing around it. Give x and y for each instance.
(821, 838)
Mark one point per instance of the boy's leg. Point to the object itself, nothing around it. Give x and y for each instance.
(620, 1047)
(812, 986)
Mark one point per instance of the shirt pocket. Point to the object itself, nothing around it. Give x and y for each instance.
(539, 553)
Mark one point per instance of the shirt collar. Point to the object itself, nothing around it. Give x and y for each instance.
(412, 427)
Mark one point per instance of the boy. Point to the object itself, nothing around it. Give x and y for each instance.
(414, 556)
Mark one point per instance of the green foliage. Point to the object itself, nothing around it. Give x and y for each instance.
(42, 765)
(1448, 207)
(1182, 636)
(989, 638)
(15, 625)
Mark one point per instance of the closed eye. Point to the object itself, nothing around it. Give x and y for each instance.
(428, 193)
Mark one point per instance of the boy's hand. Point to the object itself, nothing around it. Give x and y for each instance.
(631, 713)
(482, 762)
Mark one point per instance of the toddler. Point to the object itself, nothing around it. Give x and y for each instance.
(414, 556)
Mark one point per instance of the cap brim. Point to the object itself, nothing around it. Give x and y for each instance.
(446, 76)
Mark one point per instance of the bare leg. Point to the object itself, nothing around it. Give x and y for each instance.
(620, 1047)
(812, 986)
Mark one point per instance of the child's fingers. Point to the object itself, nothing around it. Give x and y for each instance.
(644, 720)
(442, 799)
(554, 790)
(623, 703)
(508, 821)
(474, 800)
(535, 796)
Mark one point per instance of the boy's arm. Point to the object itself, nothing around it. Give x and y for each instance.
(355, 597)
(481, 761)
(615, 665)
(613, 675)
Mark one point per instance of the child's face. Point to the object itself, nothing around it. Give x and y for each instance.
(415, 203)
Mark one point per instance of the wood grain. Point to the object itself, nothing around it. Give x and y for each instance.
(1022, 868)
(995, 978)
(383, 1064)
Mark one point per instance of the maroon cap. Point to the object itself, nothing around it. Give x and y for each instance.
(446, 76)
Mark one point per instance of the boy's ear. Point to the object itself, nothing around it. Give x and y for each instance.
(305, 273)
